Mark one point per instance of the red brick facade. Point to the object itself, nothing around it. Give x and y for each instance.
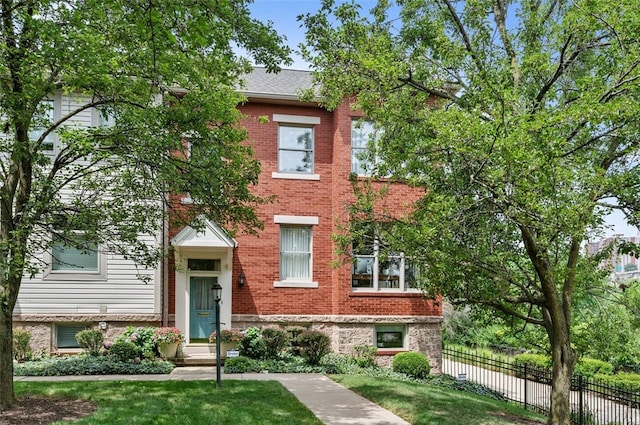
(350, 317)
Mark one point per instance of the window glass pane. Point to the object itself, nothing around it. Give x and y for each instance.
(411, 273)
(295, 161)
(361, 133)
(106, 119)
(295, 252)
(202, 296)
(41, 120)
(295, 149)
(199, 264)
(389, 273)
(75, 254)
(66, 335)
(390, 336)
(362, 272)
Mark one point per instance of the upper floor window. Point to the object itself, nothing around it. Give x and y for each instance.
(373, 269)
(105, 118)
(74, 254)
(362, 132)
(42, 119)
(295, 149)
(75, 257)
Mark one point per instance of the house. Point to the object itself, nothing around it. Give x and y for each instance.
(281, 277)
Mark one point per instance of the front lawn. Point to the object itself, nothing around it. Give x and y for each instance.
(432, 404)
(180, 402)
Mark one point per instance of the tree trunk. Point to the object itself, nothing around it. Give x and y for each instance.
(564, 359)
(6, 359)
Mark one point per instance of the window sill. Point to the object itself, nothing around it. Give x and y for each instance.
(294, 284)
(75, 277)
(385, 294)
(295, 176)
(390, 351)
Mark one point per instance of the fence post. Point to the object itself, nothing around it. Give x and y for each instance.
(581, 400)
(526, 373)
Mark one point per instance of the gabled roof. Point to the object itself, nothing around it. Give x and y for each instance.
(211, 236)
(284, 85)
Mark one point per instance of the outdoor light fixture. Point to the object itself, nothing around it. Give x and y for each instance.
(241, 279)
(216, 290)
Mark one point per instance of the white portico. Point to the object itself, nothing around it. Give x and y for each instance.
(202, 257)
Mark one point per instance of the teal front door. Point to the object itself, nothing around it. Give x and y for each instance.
(202, 311)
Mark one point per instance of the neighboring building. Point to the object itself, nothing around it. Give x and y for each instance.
(623, 266)
(281, 277)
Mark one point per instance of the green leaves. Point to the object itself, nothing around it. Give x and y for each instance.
(519, 121)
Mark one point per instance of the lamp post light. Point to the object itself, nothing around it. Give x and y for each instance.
(216, 289)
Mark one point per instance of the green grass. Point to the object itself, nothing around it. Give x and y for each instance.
(180, 402)
(426, 404)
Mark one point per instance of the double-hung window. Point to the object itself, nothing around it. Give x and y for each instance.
(295, 149)
(375, 269)
(362, 132)
(296, 251)
(42, 119)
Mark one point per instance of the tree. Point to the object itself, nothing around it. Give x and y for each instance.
(164, 72)
(519, 119)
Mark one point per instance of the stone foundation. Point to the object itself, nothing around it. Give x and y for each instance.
(423, 333)
(41, 327)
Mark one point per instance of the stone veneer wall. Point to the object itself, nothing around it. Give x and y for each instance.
(424, 333)
(41, 326)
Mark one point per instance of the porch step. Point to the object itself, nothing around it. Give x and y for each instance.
(197, 359)
(198, 355)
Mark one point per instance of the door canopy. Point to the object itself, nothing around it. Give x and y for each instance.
(209, 236)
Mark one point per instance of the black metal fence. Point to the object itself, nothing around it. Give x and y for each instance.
(592, 402)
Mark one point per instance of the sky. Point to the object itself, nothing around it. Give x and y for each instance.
(283, 14)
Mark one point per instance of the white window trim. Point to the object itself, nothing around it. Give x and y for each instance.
(294, 176)
(100, 274)
(296, 219)
(405, 333)
(296, 119)
(302, 221)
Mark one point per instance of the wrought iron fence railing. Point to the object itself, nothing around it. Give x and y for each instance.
(593, 402)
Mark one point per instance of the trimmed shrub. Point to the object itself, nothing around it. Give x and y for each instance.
(91, 340)
(412, 363)
(241, 364)
(21, 349)
(275, 341)
(124, 351)
(590, 367)
(252, 345)
(536, 360)
(364, 355)
(89, 365)
(313, 346)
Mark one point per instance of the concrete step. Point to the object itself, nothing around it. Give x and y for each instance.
(198, 355)
(196, 360)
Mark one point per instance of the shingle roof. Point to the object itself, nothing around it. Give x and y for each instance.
(286, 84)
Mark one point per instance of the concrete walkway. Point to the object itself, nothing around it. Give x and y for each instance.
(332, 403)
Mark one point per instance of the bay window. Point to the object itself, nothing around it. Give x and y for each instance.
(377, 270)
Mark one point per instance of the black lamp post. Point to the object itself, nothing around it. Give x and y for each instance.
(216, 289)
